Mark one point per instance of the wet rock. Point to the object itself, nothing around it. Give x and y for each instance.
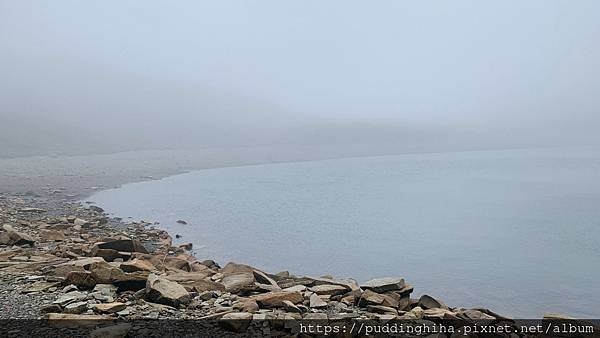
(12, 237)
(381, 285)
(236, 322)
(275, 299)
(164, 291)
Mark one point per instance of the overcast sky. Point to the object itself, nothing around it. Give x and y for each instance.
(244, 72)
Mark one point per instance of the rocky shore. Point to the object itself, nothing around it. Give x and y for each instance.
(67, 264)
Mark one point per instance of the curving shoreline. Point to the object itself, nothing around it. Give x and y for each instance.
(66, 261)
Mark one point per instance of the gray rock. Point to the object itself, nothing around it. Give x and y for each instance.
(113, 331)
(75, 308)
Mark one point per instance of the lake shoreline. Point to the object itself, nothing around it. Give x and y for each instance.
(56, 256)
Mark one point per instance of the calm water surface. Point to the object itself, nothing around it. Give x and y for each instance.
(516, 231)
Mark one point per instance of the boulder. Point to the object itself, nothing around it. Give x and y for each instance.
(75, 308)
(198, 282)
(109, 255)
(130, 281)
(236, 321)
(163, 291)
(81, 279)
(275, 299)
(70, 297)
(290, 307)
(475, 315)
(262, 278)
(239, 282)
(104, 273)
(384, 310)
(126, 245)
(370, 298)
(51, 236)
(381, 285)
(12, 237)
(328, 289)
(316, 302)
(137, 265)
(428, 302)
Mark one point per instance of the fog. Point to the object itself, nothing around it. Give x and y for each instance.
(392, 76)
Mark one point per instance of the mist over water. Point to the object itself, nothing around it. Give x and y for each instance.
(515, 231)
(403, 76)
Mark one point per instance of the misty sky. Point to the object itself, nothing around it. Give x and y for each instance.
(133, 74)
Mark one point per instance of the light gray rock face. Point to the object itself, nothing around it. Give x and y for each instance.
(385, 284)
(164, 291)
